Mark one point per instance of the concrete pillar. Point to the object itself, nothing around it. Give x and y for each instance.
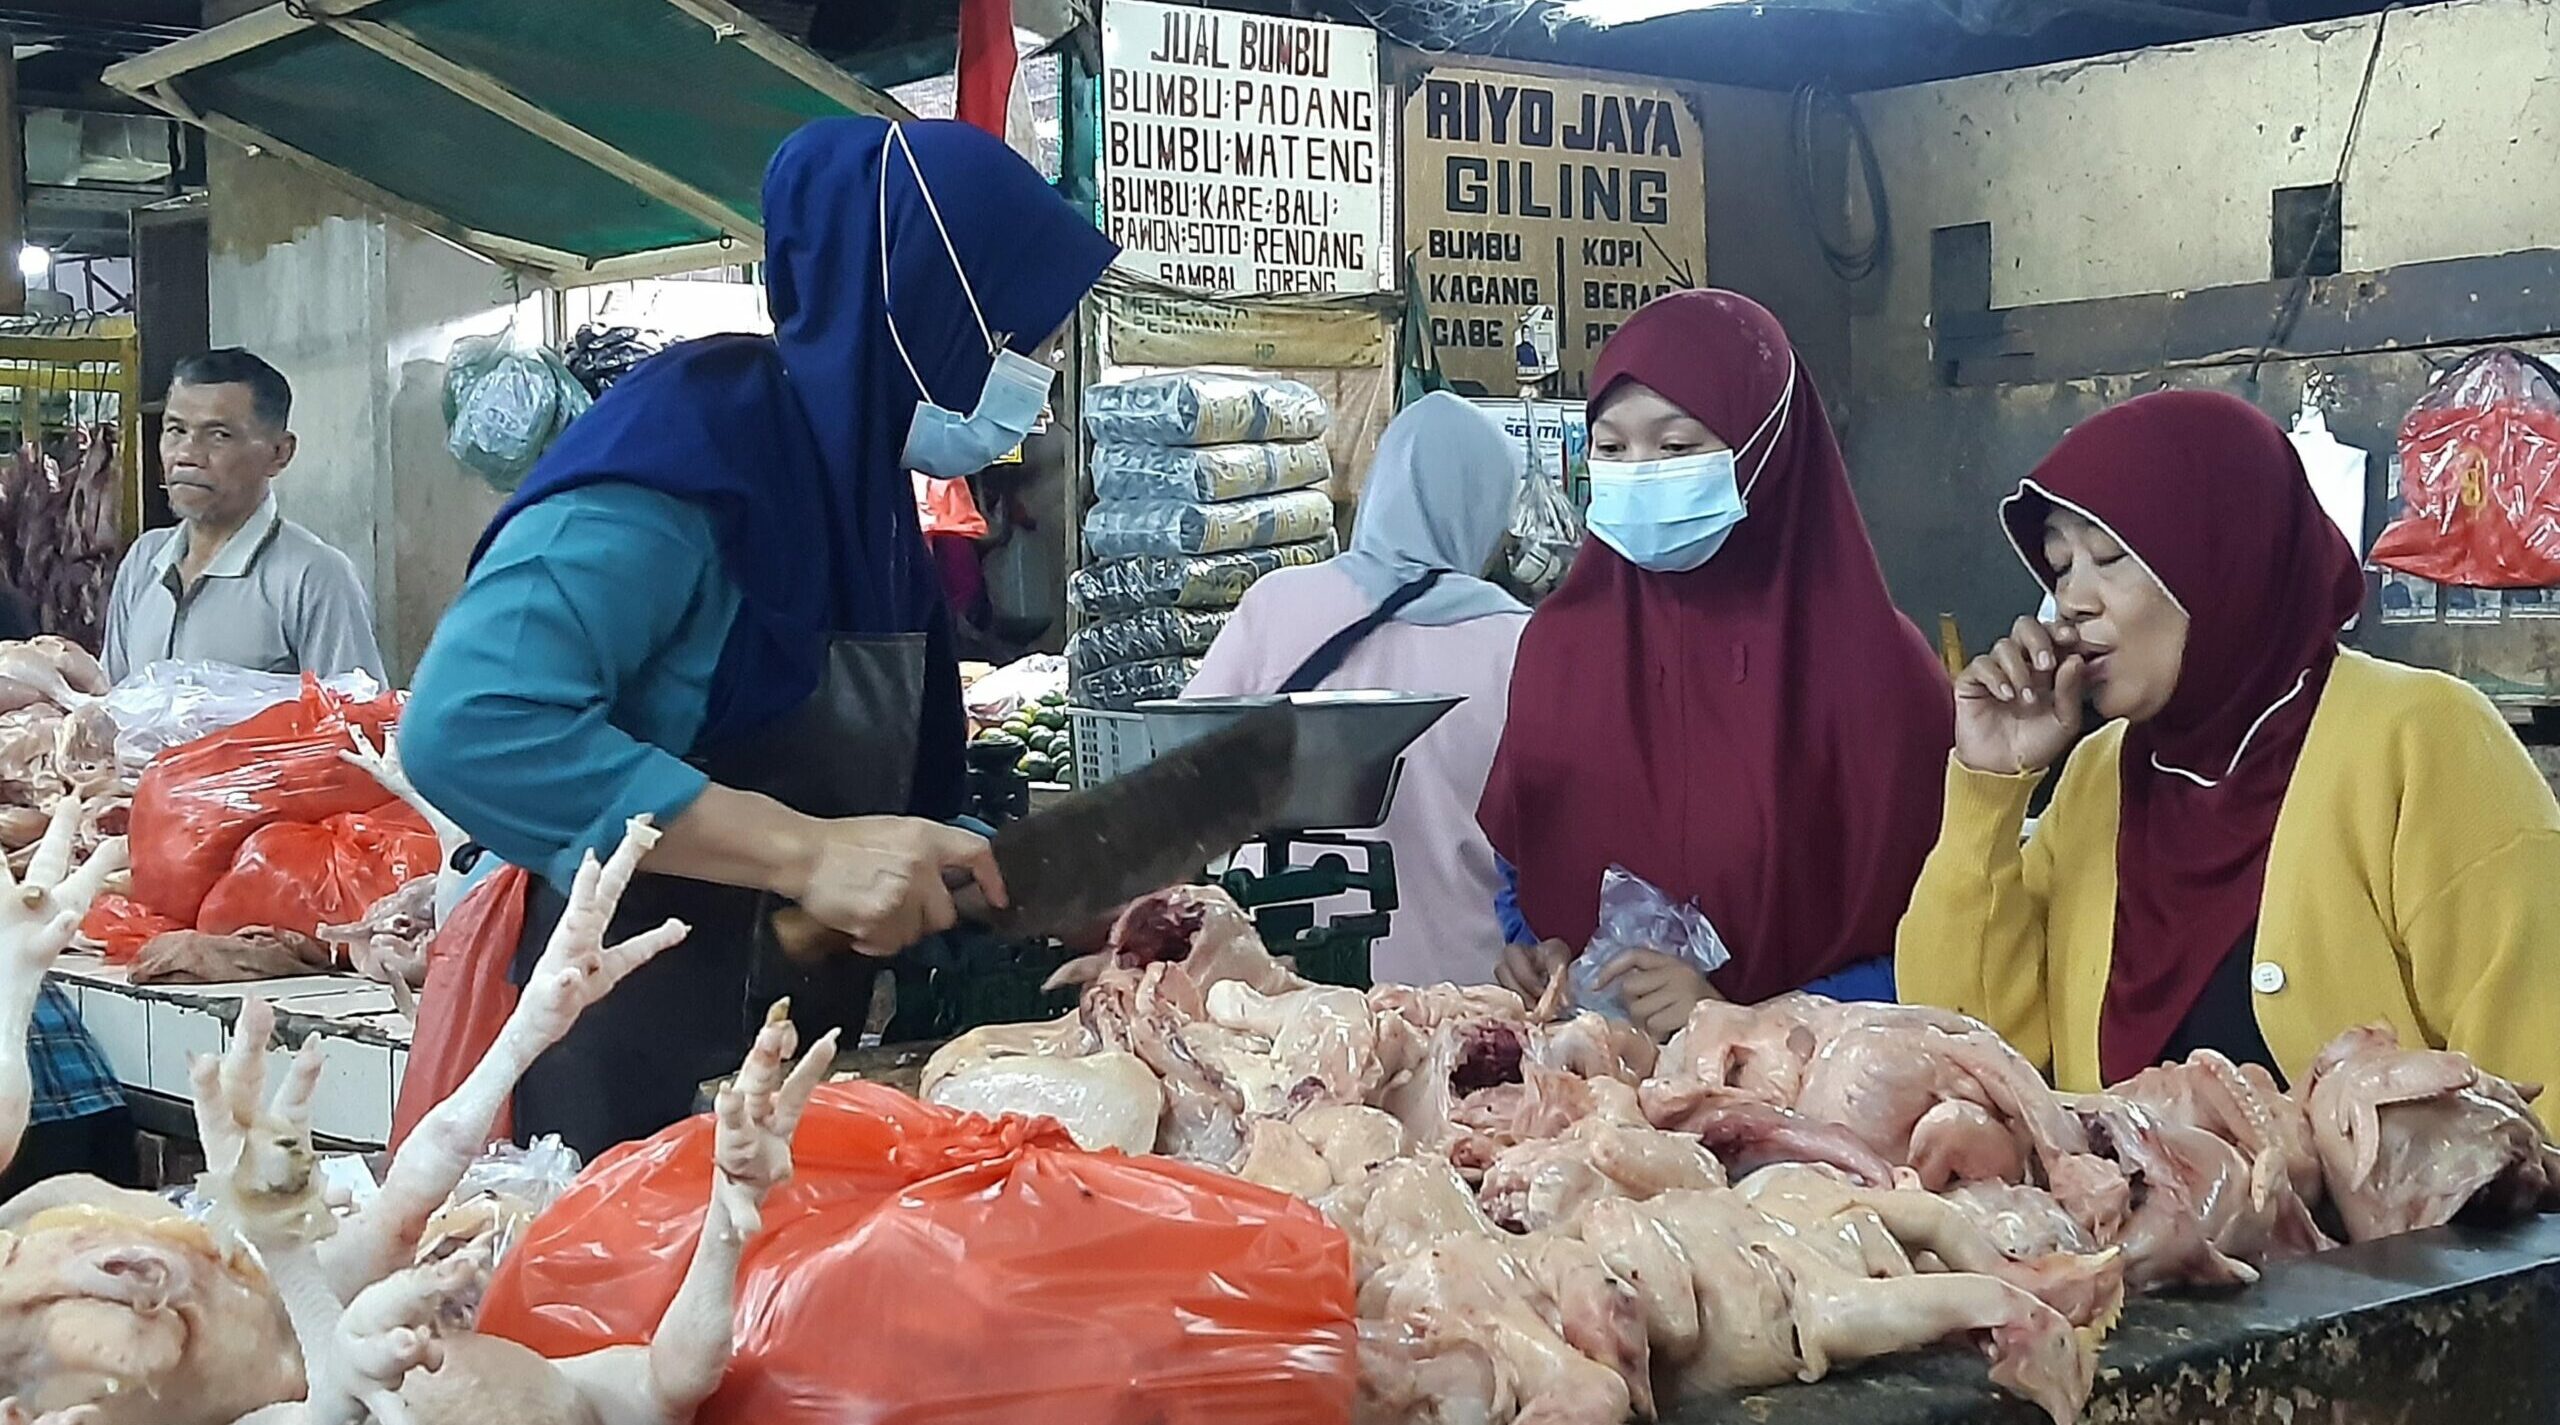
(358, 310)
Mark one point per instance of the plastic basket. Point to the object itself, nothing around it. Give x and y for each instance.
(1107, 744)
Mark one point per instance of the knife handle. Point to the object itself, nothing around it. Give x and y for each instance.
(804, 937)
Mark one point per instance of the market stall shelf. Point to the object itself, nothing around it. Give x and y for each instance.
(2450, 1324)
(149, 1032)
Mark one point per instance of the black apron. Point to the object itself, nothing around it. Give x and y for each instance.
(1329, 655)
(637, 1058)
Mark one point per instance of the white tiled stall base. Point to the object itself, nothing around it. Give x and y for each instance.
(149, 1032)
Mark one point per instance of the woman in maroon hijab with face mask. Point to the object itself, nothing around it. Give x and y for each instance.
(1722, 698)
(2274, 839)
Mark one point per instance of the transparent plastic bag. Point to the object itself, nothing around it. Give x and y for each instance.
(1208, 472)
(1545, 531)
(1147, 634)
(504, 406)
(1120, 687)
(1185, 581)
(1204, 408)
(1015, 686)
(168, 704)
(2480, 478)
(500, 1195)
(1119, 531)
(1635, 916)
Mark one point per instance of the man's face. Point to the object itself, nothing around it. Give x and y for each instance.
(216, 455)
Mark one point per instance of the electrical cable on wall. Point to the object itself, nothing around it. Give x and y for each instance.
(2297, 294)
(1849, 264)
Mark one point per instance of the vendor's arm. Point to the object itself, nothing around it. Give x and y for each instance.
(1974, 937)
(2476, 870)
(579, 653)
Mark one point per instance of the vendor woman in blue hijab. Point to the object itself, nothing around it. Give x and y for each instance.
(711, 603)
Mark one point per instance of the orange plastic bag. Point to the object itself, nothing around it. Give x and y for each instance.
(924, 1267)
(294, 875)
(2480, 478)
(121, 927)
(466, 1000)
(196, 804)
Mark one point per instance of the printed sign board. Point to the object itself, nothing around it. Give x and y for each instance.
(1527, 190)
(1242, 153)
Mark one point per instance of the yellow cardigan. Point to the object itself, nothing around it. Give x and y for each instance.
(2414, 878)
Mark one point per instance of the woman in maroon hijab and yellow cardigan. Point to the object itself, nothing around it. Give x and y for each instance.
(2274, 839)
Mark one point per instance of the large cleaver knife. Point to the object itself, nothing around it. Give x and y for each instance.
(1067, 867)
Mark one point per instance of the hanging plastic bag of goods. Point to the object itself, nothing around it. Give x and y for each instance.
(2480, 478)
(929, 1266)
(504, 406)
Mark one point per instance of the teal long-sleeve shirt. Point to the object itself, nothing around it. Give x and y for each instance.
(572, 676)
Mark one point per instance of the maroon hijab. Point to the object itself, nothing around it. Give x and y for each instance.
(1766, 732)
(2208, 494)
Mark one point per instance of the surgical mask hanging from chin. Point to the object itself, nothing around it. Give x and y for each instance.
(942, 442)
(1670, 516)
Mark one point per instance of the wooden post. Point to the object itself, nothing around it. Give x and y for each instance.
(13, 183)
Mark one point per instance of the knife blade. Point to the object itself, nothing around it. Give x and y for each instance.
(1103, 847)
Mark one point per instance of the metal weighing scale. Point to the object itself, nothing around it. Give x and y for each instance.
(1350, 754)
(1349, 759)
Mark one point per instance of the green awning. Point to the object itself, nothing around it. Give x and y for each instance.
(583, 140)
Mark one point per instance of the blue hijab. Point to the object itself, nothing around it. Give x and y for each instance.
(793, 444)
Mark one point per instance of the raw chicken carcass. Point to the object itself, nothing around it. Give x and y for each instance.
(1880, 1078)
(194, 957)
(402, 1348)
(389, 942)
(1200, 928)
(1063, 1038)
(32, 673)
(2412, 1138)
(1462, 1055)
(2239, 1103)
(1105, 1100)
(2087, 1287)
(38, 917)
(127, 1307)
(1736, 1299)
(1544, 1103)
(1545, 1183)
(2190, 1195)
(1323, 1039)
(1325, 1146)
(1750, 1133)
(1477, 1297)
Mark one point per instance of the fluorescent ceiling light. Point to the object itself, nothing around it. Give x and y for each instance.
(1602, 14)
(34, 262)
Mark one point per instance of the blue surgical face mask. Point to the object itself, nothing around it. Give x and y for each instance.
(1670, 516)
(942, 442)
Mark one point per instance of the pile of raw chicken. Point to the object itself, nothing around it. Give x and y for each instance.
(56, 740)
(1551, 1222)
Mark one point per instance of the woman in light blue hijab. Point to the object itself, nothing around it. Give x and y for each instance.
(1405, 610)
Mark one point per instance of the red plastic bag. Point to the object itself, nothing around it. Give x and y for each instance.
(294, 875)
(2480, 478)
(923, 1267)
(949, 507)
(466, 1000)
(196, 804)
(121, 927)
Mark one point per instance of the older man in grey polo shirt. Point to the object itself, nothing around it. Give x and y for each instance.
(236, 582)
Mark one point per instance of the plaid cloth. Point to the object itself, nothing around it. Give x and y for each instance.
(72, 1079)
